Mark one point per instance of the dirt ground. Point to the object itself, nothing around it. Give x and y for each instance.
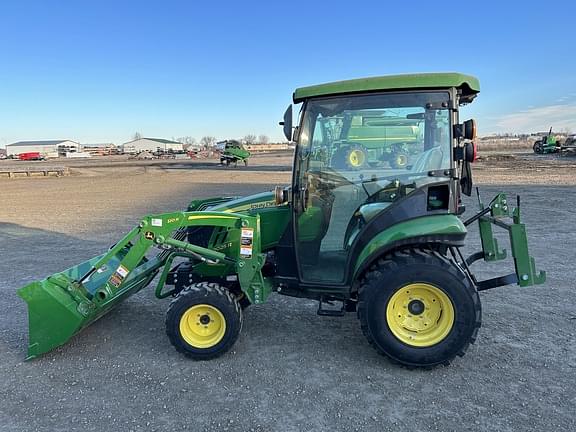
(291, 370)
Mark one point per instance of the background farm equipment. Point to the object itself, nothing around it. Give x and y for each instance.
(548, 144)
(30, 156)
(568, 146)
(371, 138)
(232, 152)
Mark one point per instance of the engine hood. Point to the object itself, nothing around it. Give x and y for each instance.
(248, 203)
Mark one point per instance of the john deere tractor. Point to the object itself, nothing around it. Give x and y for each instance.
(548, 144)
(385, 242)
(232, 152)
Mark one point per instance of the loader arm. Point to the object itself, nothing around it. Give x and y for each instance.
(64, 303)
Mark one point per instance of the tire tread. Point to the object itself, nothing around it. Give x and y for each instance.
(414, 256)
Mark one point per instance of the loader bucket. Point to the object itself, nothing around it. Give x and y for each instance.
(59, 306)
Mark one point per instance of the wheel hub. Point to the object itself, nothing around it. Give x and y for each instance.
(420, 315)
(416, 307)
(356, 158)
(202, 326)
(401, 160)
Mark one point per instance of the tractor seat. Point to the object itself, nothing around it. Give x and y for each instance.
(429, 160)
(364, 214)
(368, 211)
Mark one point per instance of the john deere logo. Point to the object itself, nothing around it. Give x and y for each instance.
(149, 235)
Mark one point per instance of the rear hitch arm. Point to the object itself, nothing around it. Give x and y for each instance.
(499, 213)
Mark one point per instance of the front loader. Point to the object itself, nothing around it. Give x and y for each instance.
(384, 241)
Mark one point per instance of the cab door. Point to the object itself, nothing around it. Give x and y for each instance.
(325, 203)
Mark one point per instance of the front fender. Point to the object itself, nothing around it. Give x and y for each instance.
(439, 229)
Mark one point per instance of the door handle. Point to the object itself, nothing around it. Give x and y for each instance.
(304, 194)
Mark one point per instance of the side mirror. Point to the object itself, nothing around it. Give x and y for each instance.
(287, 123)
(466, 181)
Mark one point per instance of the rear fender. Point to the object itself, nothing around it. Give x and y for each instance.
(446, 229)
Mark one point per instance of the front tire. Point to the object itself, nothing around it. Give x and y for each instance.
(399, 160)
(204, 321)
(418, 308)
(538, 147)
(352, 157)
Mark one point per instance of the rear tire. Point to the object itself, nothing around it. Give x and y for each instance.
(418, 308)
(204, 321)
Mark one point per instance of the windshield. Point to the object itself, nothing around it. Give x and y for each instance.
(380, 138)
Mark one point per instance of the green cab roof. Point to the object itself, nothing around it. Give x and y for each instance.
(468, 84)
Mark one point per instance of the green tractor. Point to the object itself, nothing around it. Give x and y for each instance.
(385, 242)
(232, 152)
(548, 144)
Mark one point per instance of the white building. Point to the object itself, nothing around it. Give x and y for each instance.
(53, 148)
(152, 145)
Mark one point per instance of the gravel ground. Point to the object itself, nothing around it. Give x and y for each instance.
(291, 370)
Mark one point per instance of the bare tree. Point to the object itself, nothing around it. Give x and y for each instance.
(263, 139)
(136, 136)
(187, 140)
(249, 139)
(208, 141)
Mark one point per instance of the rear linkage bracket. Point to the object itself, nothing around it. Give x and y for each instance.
(495, 214)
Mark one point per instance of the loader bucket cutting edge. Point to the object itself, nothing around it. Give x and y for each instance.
(59, 307)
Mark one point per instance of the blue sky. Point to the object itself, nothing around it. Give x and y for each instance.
(98, 71)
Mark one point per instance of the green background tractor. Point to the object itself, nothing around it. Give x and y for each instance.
(548, 144)
(232, 152)
(383, 241)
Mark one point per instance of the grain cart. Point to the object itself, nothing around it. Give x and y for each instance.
(383, 242)
(233, 152)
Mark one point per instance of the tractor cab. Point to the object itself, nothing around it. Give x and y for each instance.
(361, 151)
(231, 145)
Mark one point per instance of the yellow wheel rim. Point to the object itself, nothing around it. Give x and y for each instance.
(401, 160)
(356, 158)
(202, 326)
(420, 315)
